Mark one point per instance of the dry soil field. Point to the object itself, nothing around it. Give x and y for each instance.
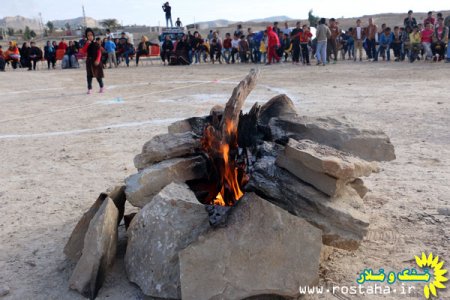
(60, 148)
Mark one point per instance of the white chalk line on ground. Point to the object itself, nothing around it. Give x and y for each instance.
(97, 103)
(87, 130)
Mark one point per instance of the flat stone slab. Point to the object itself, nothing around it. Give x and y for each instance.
(143, 186)
(368, 144)
(328, 160)
(264, 250)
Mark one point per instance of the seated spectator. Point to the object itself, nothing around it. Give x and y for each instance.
(427, 37)
(70, 57)
(440, 39)
(286, 42)
(215, 50)
(2, 60)
(12, 55)
(384, 41)
(182, 51)
(226, 48)
(25, 56)
(415, 44)
(234, 47)
(143, 48)
(166, 49)
(62, 45)
(50, 55)
(35, 54)
(125, 50)
(397, 43)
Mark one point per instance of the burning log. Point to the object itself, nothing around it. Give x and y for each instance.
(220, 143)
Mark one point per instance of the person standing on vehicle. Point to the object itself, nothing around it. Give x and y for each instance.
(168, 10)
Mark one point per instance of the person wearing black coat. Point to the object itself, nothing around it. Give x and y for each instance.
(35, 55)
(25, 56)
(166, 49)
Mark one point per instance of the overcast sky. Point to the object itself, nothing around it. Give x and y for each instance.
(149, 12)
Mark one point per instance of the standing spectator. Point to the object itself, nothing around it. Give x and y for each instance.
(370, 32)
(257, 38)
(305, 39)
(178, 23)
(358, 36)
(427, 37)
(243, 49)
(110, 48)
(429, 19)
(410, 21)
(50, 55)
(226, 48)
(238, 30)
(168, 10)
(273, 43)
(94, 67)
(286, 44)
(166, 49)
(440, 38)
(323, 33)
(35, 54)
(251, 44)
(397, 43)
(276, 29)
(286, 29)
(195, 46)
(295, 39)
(263, 47)
(385, 40)
(332, 41)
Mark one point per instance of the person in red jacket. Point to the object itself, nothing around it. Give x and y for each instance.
(94, 67)
(272, 44)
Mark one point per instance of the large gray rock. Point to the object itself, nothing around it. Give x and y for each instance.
(278, 106)
(168, 224)
(342, 219)
(264, 250)
(166, 146)
(143, 186)
(99, 251)
(371, 145)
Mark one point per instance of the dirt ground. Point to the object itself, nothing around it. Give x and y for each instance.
(60, 148)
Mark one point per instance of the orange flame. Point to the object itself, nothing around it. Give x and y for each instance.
(229, 185)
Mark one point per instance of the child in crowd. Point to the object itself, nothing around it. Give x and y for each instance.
(244, 48)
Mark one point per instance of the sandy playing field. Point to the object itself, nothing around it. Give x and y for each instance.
(60, 148)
